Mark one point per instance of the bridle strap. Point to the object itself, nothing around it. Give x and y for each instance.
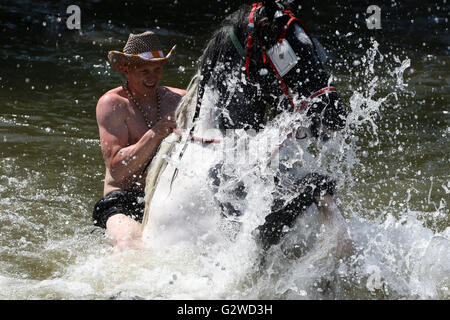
(316, 94)
(251, 22)
(292, 19)
(251, 26)
(236, 43)
(283, 85)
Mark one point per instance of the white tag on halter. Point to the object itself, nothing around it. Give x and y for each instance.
(283, 57)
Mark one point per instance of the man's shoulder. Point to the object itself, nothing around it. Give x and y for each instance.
(115, 95)
(172, 95)
(175, 91)
(112, 101)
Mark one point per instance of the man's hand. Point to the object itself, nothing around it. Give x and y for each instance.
(165, 126)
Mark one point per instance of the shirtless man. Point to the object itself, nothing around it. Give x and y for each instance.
(133, 119)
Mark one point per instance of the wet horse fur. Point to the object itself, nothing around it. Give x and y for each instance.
(248, 103)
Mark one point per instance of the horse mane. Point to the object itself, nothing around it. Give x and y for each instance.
(186, 107)
(220, 48)
(220, 43)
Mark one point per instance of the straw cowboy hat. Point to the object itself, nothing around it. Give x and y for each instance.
(139, 49)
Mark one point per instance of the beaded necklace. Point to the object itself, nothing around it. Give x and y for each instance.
(136, 103)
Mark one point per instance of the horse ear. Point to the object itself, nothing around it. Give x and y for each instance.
(291, 5)
(270, 7)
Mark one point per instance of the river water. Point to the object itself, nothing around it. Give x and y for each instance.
(394, 163)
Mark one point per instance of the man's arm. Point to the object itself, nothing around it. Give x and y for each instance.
(123, 160)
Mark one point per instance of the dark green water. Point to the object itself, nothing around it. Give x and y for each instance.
(51, 168)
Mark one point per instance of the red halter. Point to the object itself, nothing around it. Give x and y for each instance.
(251, 25)
(265, 57)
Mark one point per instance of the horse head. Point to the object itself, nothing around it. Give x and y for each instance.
(263, 61)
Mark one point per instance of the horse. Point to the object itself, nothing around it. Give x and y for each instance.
(260, 63)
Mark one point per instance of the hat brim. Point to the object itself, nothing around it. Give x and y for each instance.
(119, 59)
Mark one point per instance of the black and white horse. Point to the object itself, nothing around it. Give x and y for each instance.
(260, 64)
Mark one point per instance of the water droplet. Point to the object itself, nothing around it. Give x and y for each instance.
(263, 72)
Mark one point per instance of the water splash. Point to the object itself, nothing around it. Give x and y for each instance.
(395, 255)
(398, 252)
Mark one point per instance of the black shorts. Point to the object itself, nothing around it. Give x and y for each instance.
(129, 203)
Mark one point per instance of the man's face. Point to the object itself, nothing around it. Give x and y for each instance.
(145, 78)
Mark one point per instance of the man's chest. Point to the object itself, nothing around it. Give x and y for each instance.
(138, 124)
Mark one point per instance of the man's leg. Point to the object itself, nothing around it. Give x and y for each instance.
(125, 232)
